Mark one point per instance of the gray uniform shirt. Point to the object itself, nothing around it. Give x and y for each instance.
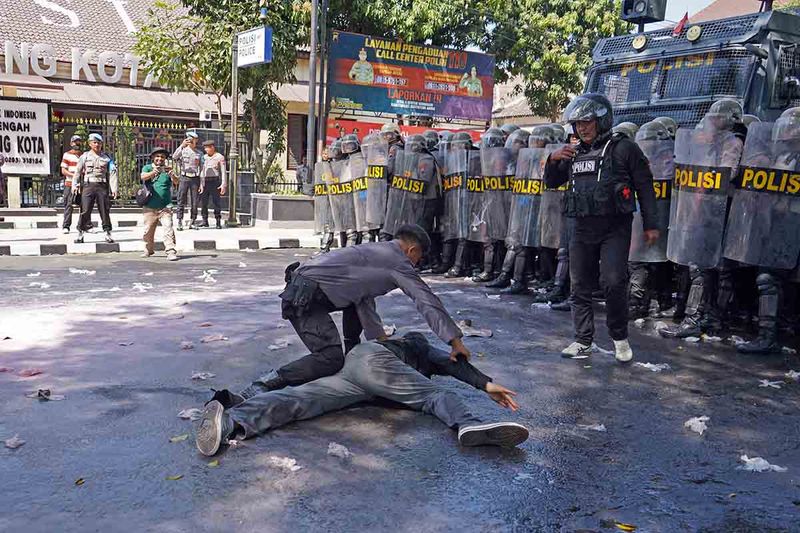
(190, 160)
(96, 168)
(357, 274)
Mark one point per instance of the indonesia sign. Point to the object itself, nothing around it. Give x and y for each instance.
(25, 136)
(254, 47)
(375, 74)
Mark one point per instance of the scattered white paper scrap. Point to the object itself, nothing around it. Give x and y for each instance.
(493, 296)
(457, 291)
(697, 424)
(242, 264)
(213, 338)
(639, 323)
(710, 338)
(285, 463)
(389, 330)
(34, 274)
(14, 442)
(101, 289)
(249, 251)
(40, 284)
(592, 427)
(692, 339)
(141, 287)
(793, 375)
(147, 274)
(82, 271)
(186, 345)
(758, 464)
(202, 376)
(765, 383)
(207, 277)
(522, 476)
(283, 343)
(653, 367)
(192, 413)
(788, 351)
(338, 450)
(470, 331)
(540, 305)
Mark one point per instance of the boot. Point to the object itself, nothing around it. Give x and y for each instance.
(500, 282)
(637, 311)
(690, 327)
(219, 223)
(180, 225)
(441, 268)
(555, 296)
(203, 224)
(455, 272)
(483, 277)
(766, 342)
(516, 287)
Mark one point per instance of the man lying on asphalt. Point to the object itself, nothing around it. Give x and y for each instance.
(348, 280)
(394, 369)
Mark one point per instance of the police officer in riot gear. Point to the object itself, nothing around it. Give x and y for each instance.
(670, 124)
(413, 176)
(355, 174)
(456, 199)
(628, 129)
(323, 216)
(606, 173)
(433, 203)
(497, 172)
(343, 210)
(508, 129)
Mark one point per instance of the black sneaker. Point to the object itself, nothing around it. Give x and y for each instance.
(454, 272)
(482, 277)
(219, 224)
(505, 434)
(214, 428)
(226, 398)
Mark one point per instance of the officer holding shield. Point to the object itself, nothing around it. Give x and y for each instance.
(605, 173)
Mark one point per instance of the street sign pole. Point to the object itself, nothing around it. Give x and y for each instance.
(233, 155)
(311, 126)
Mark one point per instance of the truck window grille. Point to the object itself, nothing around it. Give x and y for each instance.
(788, 65)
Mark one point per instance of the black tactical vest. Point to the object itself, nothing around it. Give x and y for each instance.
(595, 189)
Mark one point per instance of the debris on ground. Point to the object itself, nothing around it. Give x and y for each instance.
(205, 325)
(126, 343)
(592, 427)
(29, 372)
(697, 424)
(540, 305)
(765, 383)
(186, 345)
(758, 464)
(80, 481)
(792, 375)
(6, 369)
(14, 442)
(493, 296)
(692, 339)
(174, 478)
(457, 291)
(653, 367)
(736, 340)
(285, 463)
(660, 325)
(522, 476)
(207, 276)
(192, 413)
(389, 330)
(710, 338)
(639, 323)
(179, 438)
(45, 395)
(242, 264)
(338, 450)
(40, 284)
(202, 376)
(34, 274)
(141, 287)
(788, 351)
(622, 526)
(214, 463)
(248, 250)
(213, 338)
(82, 271)
(470, 331)
(147, 274)
(278, 345)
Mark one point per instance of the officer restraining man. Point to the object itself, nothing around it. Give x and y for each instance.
(188, 158)
(764, 224)
(96, 178)
(349, 280)
(603, 172)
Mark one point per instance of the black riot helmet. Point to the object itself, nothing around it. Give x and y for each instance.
(336, 150)
(591, 106)
(541, 136)
(508, 129)
(628, 129)
(493, 138)
(350, 144)
(654, 130)
(416, 143)
(725, 114)
(517, 141)
(559, 131)
(431, 139)
(670, 124)
(461, 141)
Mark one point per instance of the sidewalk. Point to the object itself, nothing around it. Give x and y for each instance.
(51, 241)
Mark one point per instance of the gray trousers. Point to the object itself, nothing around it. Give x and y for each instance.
(370, 371)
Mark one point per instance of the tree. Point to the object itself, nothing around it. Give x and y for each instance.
(548, 43)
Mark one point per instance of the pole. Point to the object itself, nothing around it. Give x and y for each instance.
(233, 155)
(311, 144)
(323, 86)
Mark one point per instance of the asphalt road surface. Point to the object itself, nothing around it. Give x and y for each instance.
(111, 343)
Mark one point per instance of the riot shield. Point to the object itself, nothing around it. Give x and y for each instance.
(526, 198)
(454, 222)
(764, 221)
(661, 154)
(496, 163)
(414, 172)
(704, 159)
(376, 152)
(478, 228)
(340, 191)
(356, 175)
(323, 218)
(552, 226)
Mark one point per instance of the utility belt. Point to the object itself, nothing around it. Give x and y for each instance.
(603, 200)
(104, 181)
(185, 175)
(301, 294)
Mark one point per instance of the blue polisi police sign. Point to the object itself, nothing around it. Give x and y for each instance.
(254, 47)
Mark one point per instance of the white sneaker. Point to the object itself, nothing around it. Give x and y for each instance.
(65, 231)
(146, 254)
(623, 351)
(172, 256)
(577, 349)
(506, 434)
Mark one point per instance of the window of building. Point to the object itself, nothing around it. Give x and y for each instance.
(296, 140)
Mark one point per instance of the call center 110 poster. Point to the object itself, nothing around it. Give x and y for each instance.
(380, 75)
